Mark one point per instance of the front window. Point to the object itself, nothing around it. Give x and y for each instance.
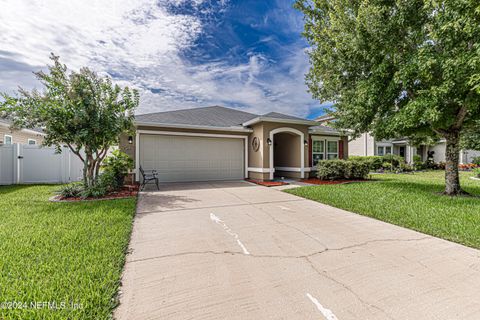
(7, 139)
(318, 151)
(388, 150)
(380, 151)
(332, 150)
(32, 141)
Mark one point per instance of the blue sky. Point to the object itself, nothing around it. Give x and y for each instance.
(180, 54)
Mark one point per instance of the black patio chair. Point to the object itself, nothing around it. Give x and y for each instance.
(152, 175)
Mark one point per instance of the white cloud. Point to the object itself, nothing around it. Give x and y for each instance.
(140, 42)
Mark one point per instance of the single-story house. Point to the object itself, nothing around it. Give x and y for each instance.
(218, 143)
(21, 136)
(367, 145)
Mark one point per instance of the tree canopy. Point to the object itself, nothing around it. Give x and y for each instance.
(471, 137)
(78, 109)
(398, 68)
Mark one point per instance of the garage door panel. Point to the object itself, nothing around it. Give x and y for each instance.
(184, 158)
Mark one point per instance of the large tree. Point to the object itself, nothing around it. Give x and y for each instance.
(398, 67)
(78, 109)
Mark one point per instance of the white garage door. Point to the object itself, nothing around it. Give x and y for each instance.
(184, 158)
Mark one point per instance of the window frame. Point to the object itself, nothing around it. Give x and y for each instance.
(380, 153)
(325, 154)
(332, 153)
(321, 153)
(31, 144)
(5, 139)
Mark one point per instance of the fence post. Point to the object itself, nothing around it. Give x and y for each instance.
(17, 163)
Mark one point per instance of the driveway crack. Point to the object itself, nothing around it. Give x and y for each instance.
(348, 288)
(303, 256)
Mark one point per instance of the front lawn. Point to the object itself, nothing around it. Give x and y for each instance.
(409, 200)
(60, 260)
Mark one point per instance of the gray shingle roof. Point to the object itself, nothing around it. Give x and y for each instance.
(281, 116)
(215, 116)
(325, 129)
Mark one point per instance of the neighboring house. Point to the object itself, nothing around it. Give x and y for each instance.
(218, 143)
(366, 145)
(22, 136)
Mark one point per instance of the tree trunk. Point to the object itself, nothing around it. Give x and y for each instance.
(452, 178)
(85, 169)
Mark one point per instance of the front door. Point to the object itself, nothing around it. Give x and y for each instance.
(401, 152)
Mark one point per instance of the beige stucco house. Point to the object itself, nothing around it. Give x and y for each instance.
(22, 136)
(218, 143)
(367, 145)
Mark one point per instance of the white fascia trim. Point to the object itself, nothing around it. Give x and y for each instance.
(324, 133)
(191, 134)
(293, 169)
(188, 126)
(321, 138)
(277, 120)
(260, 170)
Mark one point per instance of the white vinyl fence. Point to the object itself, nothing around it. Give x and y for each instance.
(35, 164)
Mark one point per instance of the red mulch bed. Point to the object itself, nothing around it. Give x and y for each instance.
(318, 181)
(267, 183)
(127, 191)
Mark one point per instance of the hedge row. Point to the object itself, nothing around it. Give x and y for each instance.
(342, 170)
(390, 161)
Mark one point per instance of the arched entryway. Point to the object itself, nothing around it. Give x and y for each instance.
(287, 150)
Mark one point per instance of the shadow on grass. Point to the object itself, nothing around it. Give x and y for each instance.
(414, 184)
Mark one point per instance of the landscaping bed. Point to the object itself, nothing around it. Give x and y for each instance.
(413, 201)
(127, 191)
(60, 260)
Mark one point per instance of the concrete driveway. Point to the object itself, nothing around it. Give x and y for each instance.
(233, 250)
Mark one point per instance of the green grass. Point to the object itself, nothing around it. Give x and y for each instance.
(409, 200)
(61, 252)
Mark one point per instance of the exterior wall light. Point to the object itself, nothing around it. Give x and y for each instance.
(130, 139)
(305, 142)
(269, 141)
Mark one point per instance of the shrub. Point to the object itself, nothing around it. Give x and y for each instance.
(405, 167)
(117, 164)
(387, 166)
(476, 171)
(374, 162)
(106, 183)
(356, 169)
(72, 190)
(342, 169)
(418, 163)
(440, 165)
(393, 159)
(96, 191)
(476, 161)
